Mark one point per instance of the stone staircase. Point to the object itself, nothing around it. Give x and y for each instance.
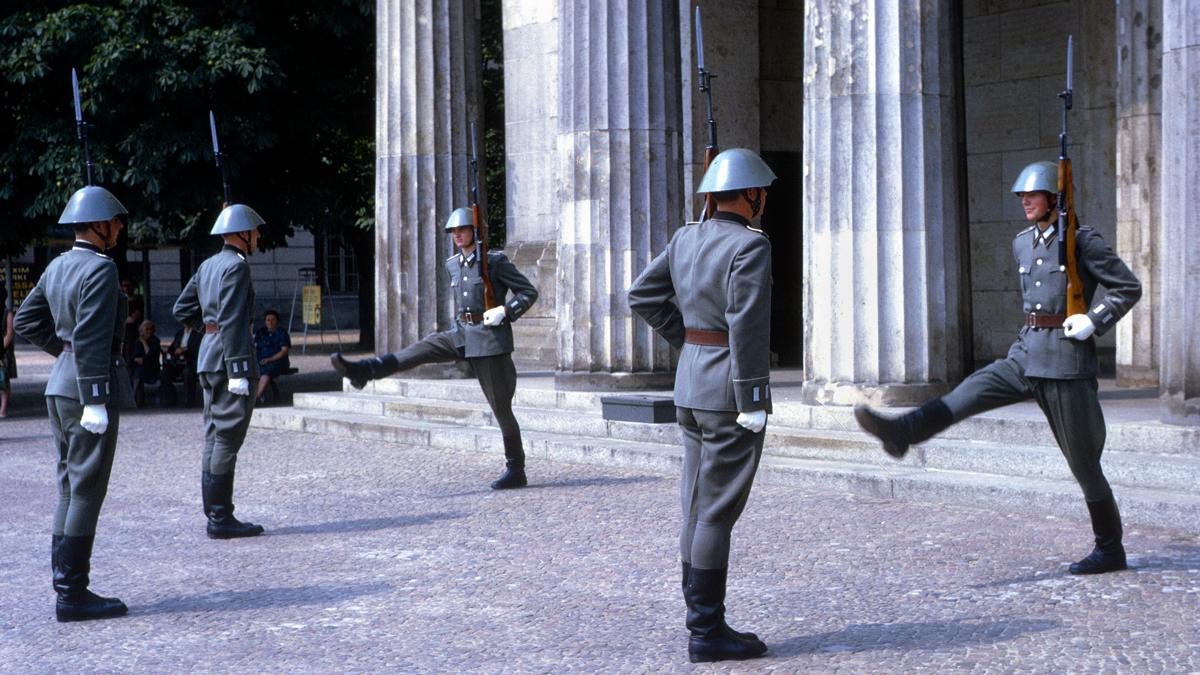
(999, 460)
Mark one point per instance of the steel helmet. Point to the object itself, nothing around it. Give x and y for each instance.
(462, 217)
(736, 169)
(91, 204)
(236, 218)
(1037, 177)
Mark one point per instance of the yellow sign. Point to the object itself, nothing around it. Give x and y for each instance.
(312, 305)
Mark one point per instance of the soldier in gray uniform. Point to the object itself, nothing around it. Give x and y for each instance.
(709, 295)
(77, 314)
(483, 338)
(1053, 360)
(219, 299)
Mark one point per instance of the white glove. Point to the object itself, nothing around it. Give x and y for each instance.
(239, 386)
(1079, 326)
(754, 421)
(494, 316)
(94, 418)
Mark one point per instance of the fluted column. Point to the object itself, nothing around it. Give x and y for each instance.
(886, 315)
(427, 90)
(1179, 365)
(1139, 156)
(619, 187)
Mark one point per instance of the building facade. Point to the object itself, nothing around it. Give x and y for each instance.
(896, 130)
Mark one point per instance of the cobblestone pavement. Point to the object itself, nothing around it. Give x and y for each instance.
(388, 558)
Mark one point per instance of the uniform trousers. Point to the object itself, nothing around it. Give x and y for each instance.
(1072, 408)
(496, 374)
(83, 468)
(719, 462)
(226, 419)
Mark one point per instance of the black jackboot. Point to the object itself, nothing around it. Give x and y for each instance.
(71, 561)
(513, 477)
(745, 637)
(1109, 554)
(218, 498)
(897, 433)
(361, 372)
(711, 639)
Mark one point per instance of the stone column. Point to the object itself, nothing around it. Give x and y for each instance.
(886, 314)
(531, 177)
(427, 91)
(619, 196)
(1139, 156)
(1179, 364)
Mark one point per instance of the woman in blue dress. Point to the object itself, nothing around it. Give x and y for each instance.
(272, 343)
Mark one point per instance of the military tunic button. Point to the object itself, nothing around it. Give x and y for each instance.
(1062, 268)
(1038, 306)
(464, 293)
(1039, 261)
(1037, 283)
(1021, 270)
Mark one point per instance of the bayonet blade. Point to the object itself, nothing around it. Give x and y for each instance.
(1070, 63)
(75, 90)
(474, 152)
(699, 42)
(212, 125)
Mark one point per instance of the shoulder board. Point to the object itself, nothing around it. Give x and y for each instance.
(452, 257)
(1026, 230)
(756, 229)
(1081, 228)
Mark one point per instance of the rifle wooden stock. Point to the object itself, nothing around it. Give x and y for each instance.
(1066, 190)
(489, 293)
(710, 203)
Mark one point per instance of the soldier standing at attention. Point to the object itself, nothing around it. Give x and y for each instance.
(483, 338)
(220, 299)
(709, 295)
(77, 314)
(1053, 360)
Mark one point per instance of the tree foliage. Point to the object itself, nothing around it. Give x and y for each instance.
(291, 85)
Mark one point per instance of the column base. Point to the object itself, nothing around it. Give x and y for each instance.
(1179, 410)
(566, 380)
(885, 395)
(1137, 376)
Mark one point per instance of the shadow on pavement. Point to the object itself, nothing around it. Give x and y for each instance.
(1183, 557)
(912, 635)
(572, 483)
(259, 598)
(363, 524)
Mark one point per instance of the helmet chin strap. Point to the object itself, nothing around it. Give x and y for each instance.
(103, 236)
(756, 203)
(245, 238)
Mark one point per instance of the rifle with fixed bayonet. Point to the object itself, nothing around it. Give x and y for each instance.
(212, 126)
(481, 233)
(1067, 223)
(81, 128)
(710, 150)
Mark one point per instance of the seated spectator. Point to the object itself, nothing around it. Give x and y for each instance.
(272, 343)
(179, 362)
(147, 352)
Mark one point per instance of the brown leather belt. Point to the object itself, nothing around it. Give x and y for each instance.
(1045, 320)
(470, 317)
(211, 328)
(116, 347)
(708, 338)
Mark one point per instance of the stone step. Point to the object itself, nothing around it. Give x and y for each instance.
(1140, 470)
(1002, 426)
(1046, 496)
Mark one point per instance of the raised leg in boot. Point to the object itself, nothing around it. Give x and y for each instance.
(897, 433)
(218, 498)
(711, 638)
(1109, 553)
(70, 560)
(362, 371)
